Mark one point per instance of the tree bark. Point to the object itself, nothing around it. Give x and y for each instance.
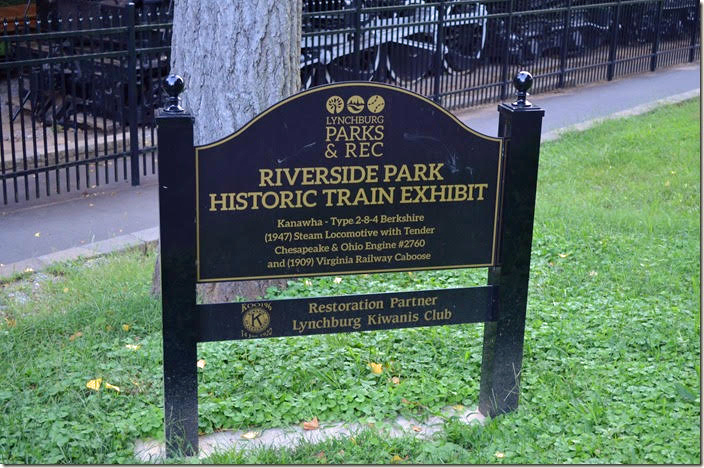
(237, 59)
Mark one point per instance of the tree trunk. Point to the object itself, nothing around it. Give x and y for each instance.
(237, 59)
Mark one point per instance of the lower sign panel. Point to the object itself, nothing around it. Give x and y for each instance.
(310, 316)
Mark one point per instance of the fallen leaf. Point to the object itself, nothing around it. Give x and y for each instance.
(396, 459)
(36, 234)
(251, 435)
(395, 380)
(416, 428)
(459, 407)
(10, 322)
(320, 455)
(133, 347)
(108, 327)
(200, 364)
(125, 327)
(112, 387)
(311, 425)
(337, 280)
(94, 384)
(75, 335)
(65, 290)
(375, 367)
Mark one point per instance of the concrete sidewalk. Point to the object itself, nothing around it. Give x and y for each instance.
(122, 216)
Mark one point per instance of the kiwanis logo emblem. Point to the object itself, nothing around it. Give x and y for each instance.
(256, 319)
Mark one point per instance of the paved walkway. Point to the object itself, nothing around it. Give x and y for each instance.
(121, 216)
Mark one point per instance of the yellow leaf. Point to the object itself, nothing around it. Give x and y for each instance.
(416, 428)
(125, 327)
(65, 290)
(36, 234)
(200, 364)
(108, 327)
(10, 322)
(94, 384)
(375, 367)
(112, 387)
(75, 335)
(133, 347)
(312, 424)
(250, 435)
(396, 459)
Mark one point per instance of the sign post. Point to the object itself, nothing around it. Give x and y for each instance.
(347, 178)
(520, 123)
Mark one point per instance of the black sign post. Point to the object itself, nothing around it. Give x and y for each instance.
(341, 179)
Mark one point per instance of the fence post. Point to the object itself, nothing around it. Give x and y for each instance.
(439, 48)
(563, 49)
(504, 66)
(502, 356)
(695, 27)
(132, 92)
(358, 37)
(177, 168)
(612, 47)
(656, 39)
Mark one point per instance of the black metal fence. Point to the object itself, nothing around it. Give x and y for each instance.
(77, 94)
(77, 100)
(464, 52)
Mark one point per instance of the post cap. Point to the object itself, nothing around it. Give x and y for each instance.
(523, 82)
(173, 85)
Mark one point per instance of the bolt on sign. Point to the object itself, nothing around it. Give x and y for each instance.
(342, 179)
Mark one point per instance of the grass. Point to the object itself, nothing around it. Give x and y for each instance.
(611, 362)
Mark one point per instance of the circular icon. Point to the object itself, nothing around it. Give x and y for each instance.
(256, 320)
(376, 104)
(355, 104)
(335, 104)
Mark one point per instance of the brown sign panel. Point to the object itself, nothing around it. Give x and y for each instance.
(347, 178)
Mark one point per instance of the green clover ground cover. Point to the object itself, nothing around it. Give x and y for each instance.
(611, 368)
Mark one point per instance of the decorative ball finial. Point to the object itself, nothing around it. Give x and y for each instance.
(523, 81)
(173, 85)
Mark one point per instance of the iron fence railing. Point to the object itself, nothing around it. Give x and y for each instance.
(77, 94)
(463, 52)
(77, 100)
